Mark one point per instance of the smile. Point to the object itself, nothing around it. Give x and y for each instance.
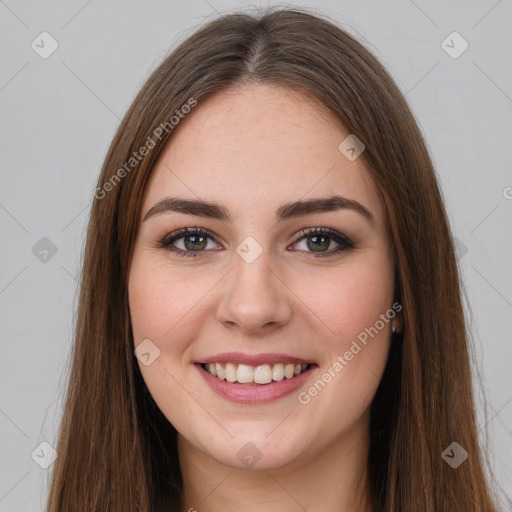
(261, 374)
(263, 383)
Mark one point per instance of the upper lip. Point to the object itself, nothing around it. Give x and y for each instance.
(252, 359)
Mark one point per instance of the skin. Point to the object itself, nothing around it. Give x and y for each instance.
(252, 149)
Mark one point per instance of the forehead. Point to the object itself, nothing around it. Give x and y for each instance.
(259, 145)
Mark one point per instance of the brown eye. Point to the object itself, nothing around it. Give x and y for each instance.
(195, 242)
(319, 240)
(188, 242)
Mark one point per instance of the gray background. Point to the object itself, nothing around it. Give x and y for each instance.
(60, 113)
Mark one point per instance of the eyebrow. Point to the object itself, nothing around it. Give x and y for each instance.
(286, 211)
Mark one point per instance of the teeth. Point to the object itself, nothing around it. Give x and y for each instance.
(263, 374)
(278, 372)
(289, 370)
(246, 374)
(230, 372)
(220, 371)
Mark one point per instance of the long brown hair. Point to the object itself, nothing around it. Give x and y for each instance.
(117, 451)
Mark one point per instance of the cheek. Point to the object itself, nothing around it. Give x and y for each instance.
(164, 310)
(159, 304)
(149, 300)
(353, 307)
(347, 302)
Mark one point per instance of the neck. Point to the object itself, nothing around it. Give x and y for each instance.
(335, 478)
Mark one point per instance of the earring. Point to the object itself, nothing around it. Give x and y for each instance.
(393, 330)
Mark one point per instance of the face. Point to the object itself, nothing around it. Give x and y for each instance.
(258, 290)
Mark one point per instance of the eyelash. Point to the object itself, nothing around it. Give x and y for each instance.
(342, 240)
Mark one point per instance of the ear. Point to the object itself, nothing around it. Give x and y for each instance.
(397, 324)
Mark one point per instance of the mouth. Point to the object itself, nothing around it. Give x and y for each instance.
(255, 375)
(248, 384)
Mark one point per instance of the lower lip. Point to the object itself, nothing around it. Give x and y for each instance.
(255, 393)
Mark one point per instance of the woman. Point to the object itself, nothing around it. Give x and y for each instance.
(270, 314)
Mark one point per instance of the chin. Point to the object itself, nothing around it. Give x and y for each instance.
(258, 450)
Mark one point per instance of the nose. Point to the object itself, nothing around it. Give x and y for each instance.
(255, 298)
